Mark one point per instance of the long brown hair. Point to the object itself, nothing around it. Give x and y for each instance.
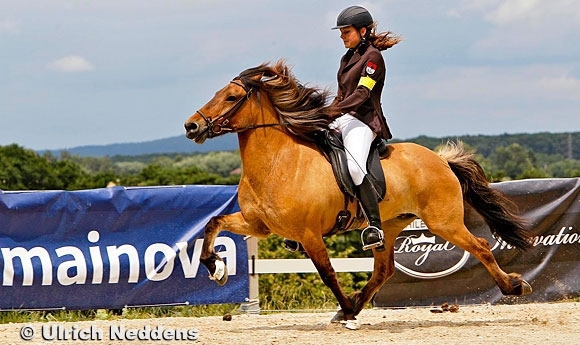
(381, 40)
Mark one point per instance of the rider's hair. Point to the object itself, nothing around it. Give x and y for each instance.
(381, 40)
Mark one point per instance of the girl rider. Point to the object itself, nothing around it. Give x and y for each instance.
(361, 78)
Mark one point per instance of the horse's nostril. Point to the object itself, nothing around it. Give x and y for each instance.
(191, 126)
(191, 129)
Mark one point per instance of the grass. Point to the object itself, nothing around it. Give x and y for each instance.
(18, 316)
(278, 292)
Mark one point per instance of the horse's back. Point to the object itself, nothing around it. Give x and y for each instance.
(415, 160)
(417, 176)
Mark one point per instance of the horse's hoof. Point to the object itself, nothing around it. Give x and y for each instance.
(351, 324)
(520, 287)
(339, 317)
(526, 288)
(220, 274)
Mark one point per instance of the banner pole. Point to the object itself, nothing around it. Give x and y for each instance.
(252, 304)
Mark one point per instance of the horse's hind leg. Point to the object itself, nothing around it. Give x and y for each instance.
(458, 234)
(383, 269)
(234, 223)
(384, 265)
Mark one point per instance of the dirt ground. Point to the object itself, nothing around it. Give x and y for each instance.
(547, 323)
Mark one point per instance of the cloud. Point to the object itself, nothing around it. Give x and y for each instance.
(524, 28)
(476, 85)
(530, 12)
(516, 11)
(72, 63)
(487, 99)
(9, 26)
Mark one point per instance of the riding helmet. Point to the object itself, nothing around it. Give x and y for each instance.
(356, 16)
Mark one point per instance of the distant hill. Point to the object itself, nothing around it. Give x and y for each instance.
(177, 144)
(564, 144)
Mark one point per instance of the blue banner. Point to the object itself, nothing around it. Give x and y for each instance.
(116, 247)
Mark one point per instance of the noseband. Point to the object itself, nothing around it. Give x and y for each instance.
(220, 124)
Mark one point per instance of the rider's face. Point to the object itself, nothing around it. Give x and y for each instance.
(351, 36)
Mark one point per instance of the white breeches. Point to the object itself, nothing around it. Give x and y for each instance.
(357, 138)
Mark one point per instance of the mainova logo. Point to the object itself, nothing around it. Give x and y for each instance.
(79, 267)
(421, 254)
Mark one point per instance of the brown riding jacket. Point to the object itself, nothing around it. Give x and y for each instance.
(361, 78)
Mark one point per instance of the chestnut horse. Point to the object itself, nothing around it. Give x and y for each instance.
(288, 188)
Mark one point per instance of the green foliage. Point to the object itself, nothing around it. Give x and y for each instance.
(222, 163)
(125, 313)
(22, 169)
(306, 290)
(564, 144)
(25, 169)
(513, 160)
(503, 157)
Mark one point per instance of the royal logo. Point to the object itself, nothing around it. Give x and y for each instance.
(420, 254)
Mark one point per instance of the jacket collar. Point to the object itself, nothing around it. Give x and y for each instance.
(353, 55)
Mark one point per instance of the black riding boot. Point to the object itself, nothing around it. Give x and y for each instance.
(372, 235)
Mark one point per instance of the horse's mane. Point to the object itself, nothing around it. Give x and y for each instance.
(304, 110)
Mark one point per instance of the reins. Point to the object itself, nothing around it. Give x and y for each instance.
(215, 128)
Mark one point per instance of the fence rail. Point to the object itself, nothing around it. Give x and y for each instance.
(263, 266)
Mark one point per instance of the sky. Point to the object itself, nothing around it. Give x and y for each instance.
(95, 72)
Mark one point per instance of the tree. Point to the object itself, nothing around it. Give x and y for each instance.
(222, 163)
(23, 169)
(565, 168)
(156, 175)
(512, 160)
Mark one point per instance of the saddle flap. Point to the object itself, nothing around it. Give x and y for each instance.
(332, 147)
(330, 143)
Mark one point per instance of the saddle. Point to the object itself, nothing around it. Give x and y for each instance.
(330, 144)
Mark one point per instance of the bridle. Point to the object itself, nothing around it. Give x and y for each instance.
(219, 125)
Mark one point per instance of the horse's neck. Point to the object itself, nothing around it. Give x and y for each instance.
(262, 147)
(270, 153)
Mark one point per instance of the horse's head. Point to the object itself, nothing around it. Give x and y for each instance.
(216, 117)
(297, 108)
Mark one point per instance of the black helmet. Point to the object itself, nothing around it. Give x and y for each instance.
(354, 15)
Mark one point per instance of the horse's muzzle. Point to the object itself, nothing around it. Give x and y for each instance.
(191, 130)
(195, 132)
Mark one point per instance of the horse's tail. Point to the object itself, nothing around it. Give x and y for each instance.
(492, 205)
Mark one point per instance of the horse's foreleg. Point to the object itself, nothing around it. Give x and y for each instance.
(316, 250)
(234, 223)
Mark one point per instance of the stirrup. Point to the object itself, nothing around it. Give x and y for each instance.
(293, 246)
(379, 243)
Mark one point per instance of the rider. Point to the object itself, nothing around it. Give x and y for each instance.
(361, 78)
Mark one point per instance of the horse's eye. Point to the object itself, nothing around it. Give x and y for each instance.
(231, 99)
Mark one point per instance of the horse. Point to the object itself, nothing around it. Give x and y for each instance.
(287, 186)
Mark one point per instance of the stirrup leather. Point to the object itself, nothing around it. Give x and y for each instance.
(367, 246)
